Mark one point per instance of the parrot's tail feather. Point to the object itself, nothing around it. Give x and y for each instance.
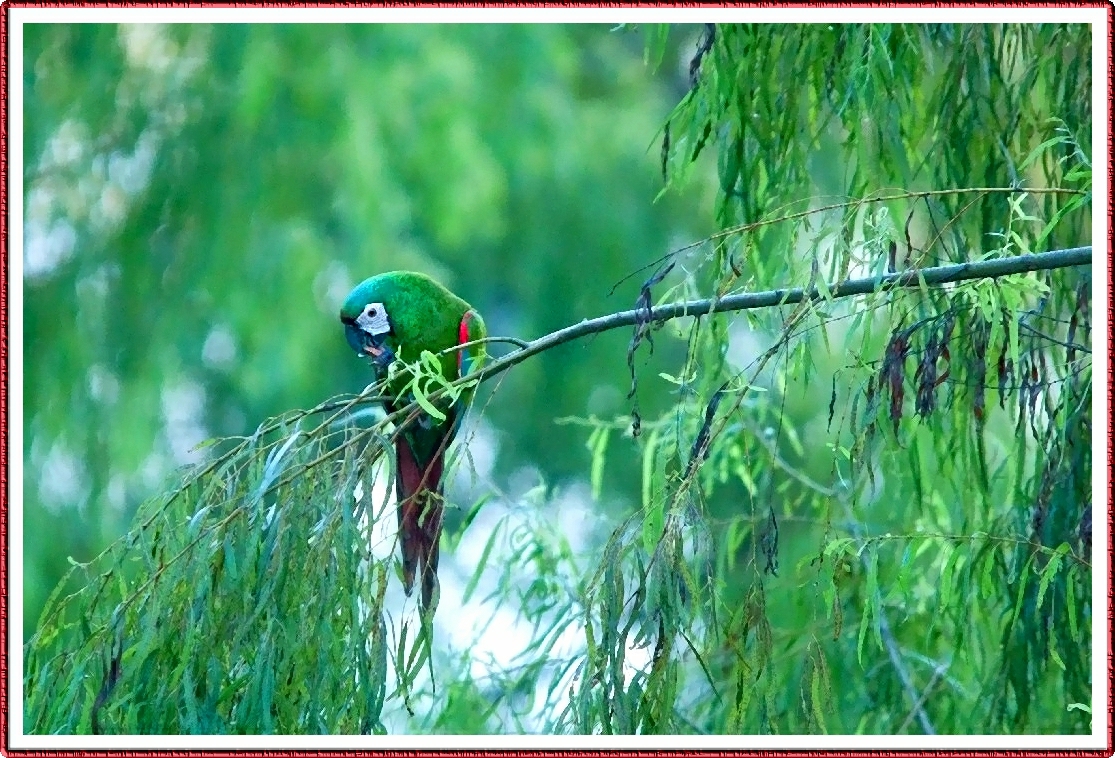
(419, 492)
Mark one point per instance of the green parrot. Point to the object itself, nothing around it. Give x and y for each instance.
(405, 313)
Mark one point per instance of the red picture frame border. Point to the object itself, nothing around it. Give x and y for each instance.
(5, 390)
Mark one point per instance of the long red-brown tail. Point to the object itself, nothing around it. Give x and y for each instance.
(419, 463)
(418, 488)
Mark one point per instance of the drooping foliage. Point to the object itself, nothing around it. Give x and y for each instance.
(893, 493)
(867, 515)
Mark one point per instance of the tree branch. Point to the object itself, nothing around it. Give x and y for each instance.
(930, 277)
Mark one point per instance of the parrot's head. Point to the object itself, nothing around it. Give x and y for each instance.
(368, 324)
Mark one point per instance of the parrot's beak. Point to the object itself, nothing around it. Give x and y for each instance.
(356, 338)
(373, 345)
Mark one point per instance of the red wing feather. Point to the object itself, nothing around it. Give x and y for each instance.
(464, 356)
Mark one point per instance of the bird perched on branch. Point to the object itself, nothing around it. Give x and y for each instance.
(401, 314)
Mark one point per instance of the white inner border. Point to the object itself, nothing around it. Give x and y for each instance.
(1006, 14)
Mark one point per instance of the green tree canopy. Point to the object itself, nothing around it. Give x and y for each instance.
(855, 510)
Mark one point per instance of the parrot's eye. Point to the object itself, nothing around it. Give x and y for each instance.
(373, 319)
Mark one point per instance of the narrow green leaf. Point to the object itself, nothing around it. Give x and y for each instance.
(987, 587)
(1049, 573)
(649, 457)
(815, 695)
(1012, 342)
(1070, 602)
(948, 553)
(431, 363)
(871, 610)
(599, 441)
(474, 511)
(1023, 578)
(1054, 655)
(480, 564)
(655, 45)
(422, 400)
(1037, 151)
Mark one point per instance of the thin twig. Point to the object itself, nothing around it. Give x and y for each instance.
(1054, 340)
(889, 642)
(938, 674)
(852, 203)
(509, 340)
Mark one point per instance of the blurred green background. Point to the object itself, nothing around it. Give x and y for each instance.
(200, 198)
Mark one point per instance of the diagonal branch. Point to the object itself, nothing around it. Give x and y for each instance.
(935, 276)
(931, 277)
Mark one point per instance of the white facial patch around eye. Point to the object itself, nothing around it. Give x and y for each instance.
(373, 319)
